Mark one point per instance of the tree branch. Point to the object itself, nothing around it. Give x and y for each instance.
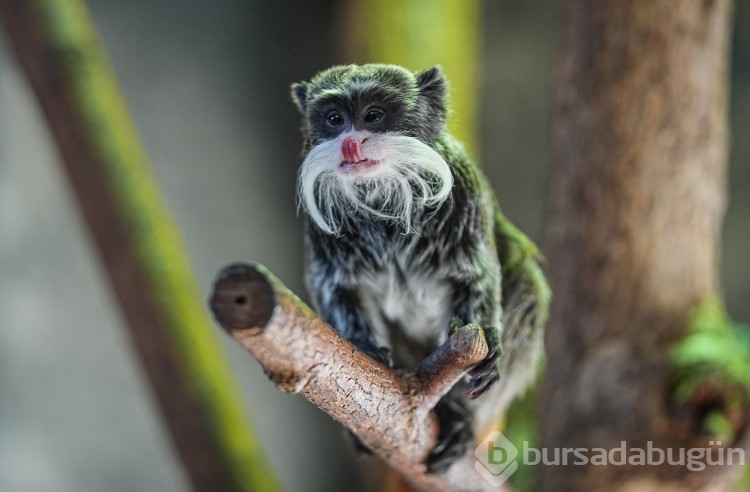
(391, 413)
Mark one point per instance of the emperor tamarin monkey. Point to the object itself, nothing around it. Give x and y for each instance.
(404, 239)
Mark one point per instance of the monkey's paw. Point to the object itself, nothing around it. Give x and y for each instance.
(486, 373)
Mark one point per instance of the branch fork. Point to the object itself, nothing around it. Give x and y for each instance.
(390, 412)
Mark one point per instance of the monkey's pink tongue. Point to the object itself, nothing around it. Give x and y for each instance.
(350, 150)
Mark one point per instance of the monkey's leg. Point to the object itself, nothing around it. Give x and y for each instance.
(455, 418)
(456, 433)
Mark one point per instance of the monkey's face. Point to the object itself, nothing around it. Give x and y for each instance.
(368, 134)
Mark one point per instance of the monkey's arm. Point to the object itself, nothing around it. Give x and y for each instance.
(336, 301)
(476, 302)
(466, 227)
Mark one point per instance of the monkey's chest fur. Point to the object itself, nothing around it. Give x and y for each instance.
(404, 283)
(409, 308)
(383, 287)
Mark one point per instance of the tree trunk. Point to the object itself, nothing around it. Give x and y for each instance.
(637, 199)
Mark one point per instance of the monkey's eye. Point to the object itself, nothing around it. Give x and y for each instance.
(334, 118)
(373, 115)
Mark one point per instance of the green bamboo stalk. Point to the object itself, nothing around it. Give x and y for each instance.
(419, 34)
(58, 46)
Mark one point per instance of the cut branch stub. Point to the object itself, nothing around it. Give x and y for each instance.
(243, 298)
(465, 348)
(390, 413)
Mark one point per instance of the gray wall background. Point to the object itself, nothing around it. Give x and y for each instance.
(207, 85)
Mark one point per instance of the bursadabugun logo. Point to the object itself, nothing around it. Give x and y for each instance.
(496, 459)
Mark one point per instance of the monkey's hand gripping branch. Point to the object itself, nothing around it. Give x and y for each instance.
(391, 413)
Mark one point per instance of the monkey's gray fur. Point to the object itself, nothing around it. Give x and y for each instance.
(404, 239)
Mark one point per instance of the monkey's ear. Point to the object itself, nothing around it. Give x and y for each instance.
(432, 87)
(299, 96)
(432, 84)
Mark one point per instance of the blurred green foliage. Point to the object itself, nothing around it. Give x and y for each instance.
(715, 351)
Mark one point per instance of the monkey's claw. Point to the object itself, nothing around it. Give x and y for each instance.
(486, 373)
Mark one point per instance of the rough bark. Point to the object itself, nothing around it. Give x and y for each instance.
(640, 141)
(59, 50)
(391, 413)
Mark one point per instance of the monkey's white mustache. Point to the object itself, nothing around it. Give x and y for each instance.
(406, 175)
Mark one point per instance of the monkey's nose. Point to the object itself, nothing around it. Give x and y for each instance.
(350, 150)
